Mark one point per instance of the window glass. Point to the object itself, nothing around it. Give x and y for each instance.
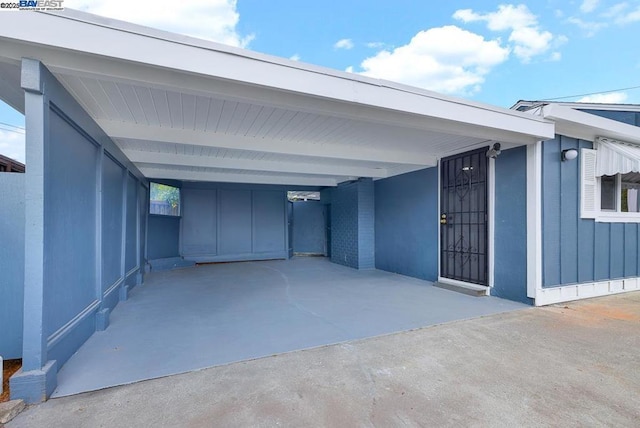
(629, 192)
(608, 192)
(164, 200)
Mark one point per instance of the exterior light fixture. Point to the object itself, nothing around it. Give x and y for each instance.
(569, 154)
(494, 151)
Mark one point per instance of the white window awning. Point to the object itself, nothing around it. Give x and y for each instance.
(616, 157)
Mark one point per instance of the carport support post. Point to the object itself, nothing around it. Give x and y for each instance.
(37, 378)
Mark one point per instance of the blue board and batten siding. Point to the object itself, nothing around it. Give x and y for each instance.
(233, 222)
(11, 263)
(577, 250)
(83, 243)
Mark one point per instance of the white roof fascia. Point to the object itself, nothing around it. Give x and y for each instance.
(578, 105)
(598, 106)
(91, 35)
(586, 126)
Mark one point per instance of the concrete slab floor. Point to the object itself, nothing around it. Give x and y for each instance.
(210, 315)
(570, 365)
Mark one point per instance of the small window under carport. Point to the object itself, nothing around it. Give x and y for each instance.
(309, 224)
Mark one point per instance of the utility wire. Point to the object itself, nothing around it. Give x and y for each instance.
(13, 126)
(12, 130)
(592, 93)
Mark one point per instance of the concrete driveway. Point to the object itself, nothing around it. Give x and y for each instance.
(211, 315)
(567, 365)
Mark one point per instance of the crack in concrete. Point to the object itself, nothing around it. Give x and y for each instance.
(292, 301)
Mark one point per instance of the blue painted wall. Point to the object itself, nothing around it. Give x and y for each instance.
(80, 205)
(406, 224)
(352, 223)
(233, 222)
(70, 225)
(510, 236)
(113, 174)
(11, 263)
(309, 227)
(579, 250)
(164, 237)
(628, 117)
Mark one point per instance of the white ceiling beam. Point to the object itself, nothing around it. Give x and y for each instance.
(224, 177)
(133, 131)
(138, 156)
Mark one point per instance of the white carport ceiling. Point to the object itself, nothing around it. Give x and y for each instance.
(187, 109)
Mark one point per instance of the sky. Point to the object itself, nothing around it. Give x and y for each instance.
(496, 52)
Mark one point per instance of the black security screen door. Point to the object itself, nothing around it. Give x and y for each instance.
(463, 217)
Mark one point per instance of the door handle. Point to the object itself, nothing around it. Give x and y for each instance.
(443, 219)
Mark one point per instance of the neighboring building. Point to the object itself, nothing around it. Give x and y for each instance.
(10, 165)
(410, 181)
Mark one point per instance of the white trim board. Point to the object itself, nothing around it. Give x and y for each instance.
(534, 219)
(567, 293)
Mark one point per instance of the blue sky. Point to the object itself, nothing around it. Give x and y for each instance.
(489, 51)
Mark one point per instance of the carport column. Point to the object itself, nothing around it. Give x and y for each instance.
(37, 378)
(366, 224)
(352, 223)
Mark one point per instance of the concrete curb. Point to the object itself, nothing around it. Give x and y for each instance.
(10, 409)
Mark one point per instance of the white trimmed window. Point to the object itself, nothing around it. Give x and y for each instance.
(610, 182)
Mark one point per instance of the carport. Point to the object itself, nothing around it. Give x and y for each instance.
(111, 106)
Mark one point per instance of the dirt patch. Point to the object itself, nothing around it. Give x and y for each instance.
(9, 367)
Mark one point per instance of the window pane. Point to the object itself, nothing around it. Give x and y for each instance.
(629, 192)
(164, 200)
(608, 192)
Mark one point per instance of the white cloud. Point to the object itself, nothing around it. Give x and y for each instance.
(590, 28)
(344, 44)
(12, 145)
(445, 59)
(295, 57)
(588, 6)
(610, 98)
(375, 45)
(622, 14)
(555, 56)
(527, 38)
(506, 17)
(214, 20)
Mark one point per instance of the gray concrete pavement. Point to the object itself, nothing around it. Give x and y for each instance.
(567, 365)
(211, 315)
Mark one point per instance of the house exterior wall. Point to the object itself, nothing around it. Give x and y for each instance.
(579, 250)
(406, 224)
(628, 117)
(164, 237)
(71, 223)
(352, 224)
(309, 227)
(226, 222)
(510, 226)
(11, 264)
